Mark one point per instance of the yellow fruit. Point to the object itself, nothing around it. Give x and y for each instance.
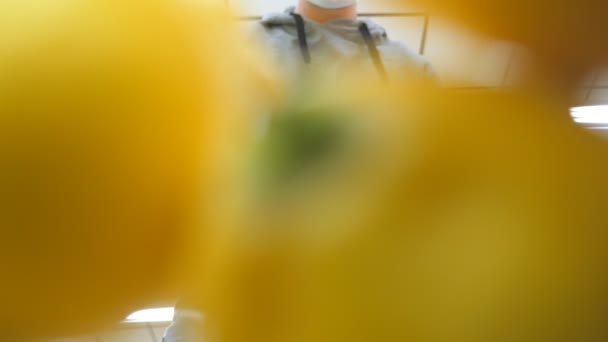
(437, 217)
(566, 34)
(105, 115)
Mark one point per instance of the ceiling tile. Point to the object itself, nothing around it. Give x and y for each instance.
(590, 79)
(581, 97)
(602, 78)
(598, 97)
(407, 30)
(524, 66)
(521, 66)
(463, 58)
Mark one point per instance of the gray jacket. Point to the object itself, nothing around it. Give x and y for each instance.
(334, 46)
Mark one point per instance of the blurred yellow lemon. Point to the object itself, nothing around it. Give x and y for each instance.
(410, 214)
(567, 34)
(106, 116)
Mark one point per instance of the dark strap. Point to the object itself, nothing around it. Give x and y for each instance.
(363, 29)
(302, 37)
(373, 51)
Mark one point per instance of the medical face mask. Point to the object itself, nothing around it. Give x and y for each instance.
(332, 4)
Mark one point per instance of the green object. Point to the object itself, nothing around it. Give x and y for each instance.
(297, 141)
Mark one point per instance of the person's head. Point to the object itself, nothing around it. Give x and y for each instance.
(333, 4)
(324, 10)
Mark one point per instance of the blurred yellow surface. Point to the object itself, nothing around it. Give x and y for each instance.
(430, 216)
(105, 116)
(568, 36)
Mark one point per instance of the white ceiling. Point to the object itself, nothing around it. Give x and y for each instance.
(460, 57)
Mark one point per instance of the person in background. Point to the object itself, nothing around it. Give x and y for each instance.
(328, 36)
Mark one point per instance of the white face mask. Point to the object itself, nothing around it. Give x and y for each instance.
(332, 4)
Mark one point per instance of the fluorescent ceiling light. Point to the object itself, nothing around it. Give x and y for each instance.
(593, 115)
(151, 316)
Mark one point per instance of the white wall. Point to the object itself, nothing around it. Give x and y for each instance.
(152, 332)
(462, 58)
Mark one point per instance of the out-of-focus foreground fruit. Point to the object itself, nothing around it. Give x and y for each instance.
(106, 117)
(568, 36)
(410, 214)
